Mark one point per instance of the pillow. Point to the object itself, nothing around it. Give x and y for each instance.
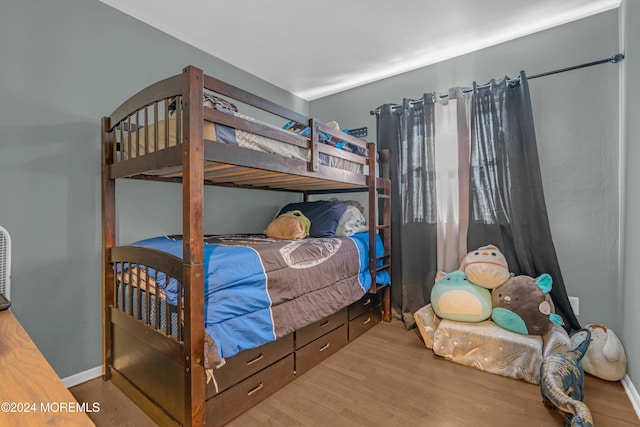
(355, 203)
(323, 214)
(351, 222)
(289, 226)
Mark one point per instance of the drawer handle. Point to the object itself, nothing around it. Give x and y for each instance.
(252, 361)
(367, 302)
(256, 388)
(324, 347)
(367, 321)
(325, 323)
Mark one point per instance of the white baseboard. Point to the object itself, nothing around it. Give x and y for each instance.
(82, 377)
(634, 397)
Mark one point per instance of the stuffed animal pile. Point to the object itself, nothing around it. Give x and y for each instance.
(484, 288)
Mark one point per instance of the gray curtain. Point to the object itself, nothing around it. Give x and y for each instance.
(507, 206)
(407, 130)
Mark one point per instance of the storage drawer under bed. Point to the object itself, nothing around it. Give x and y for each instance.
(364, 304)
(315, 330)
(316, 351)
(246, 394)
(247, 363)
(364, 322)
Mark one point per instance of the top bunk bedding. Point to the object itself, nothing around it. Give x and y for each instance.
(228, 135)
(145, 138)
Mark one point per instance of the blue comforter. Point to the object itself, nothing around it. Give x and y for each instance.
(259, 289)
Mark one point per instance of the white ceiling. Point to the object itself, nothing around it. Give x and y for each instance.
(314, 49)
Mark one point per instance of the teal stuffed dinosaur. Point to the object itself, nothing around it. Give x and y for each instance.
(562, 381)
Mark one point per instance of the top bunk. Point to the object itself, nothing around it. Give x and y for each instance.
(168, 129)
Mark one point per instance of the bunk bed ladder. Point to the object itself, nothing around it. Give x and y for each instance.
(379, 202)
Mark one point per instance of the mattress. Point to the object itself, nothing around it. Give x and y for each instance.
(259, 289)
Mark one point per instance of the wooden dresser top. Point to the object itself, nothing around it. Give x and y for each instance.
(31, 393)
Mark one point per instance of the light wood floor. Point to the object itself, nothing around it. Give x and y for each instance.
(388, 378)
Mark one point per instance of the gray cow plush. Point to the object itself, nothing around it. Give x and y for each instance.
(562, 381)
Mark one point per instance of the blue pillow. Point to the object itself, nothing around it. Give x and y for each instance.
(323, 214)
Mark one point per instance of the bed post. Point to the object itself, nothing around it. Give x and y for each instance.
(108, 241)
(193, 245)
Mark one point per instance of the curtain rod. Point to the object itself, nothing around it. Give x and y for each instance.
(618, 57)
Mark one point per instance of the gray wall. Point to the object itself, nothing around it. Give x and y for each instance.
(631, 188)
(576, 116)
(64, 65)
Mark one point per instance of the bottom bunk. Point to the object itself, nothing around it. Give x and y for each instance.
(148, 369)
(291, 306)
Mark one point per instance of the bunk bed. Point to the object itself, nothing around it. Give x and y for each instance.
(157, 298)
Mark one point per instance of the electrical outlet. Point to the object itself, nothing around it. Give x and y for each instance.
(575, 305)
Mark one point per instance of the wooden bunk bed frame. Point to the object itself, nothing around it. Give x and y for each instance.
(165, 374)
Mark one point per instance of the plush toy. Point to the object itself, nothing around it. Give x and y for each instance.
(453, 297)
(522, 305)
(562, 381)
(486, 267)
(291, 225)
(333, 124)
(605, 356)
